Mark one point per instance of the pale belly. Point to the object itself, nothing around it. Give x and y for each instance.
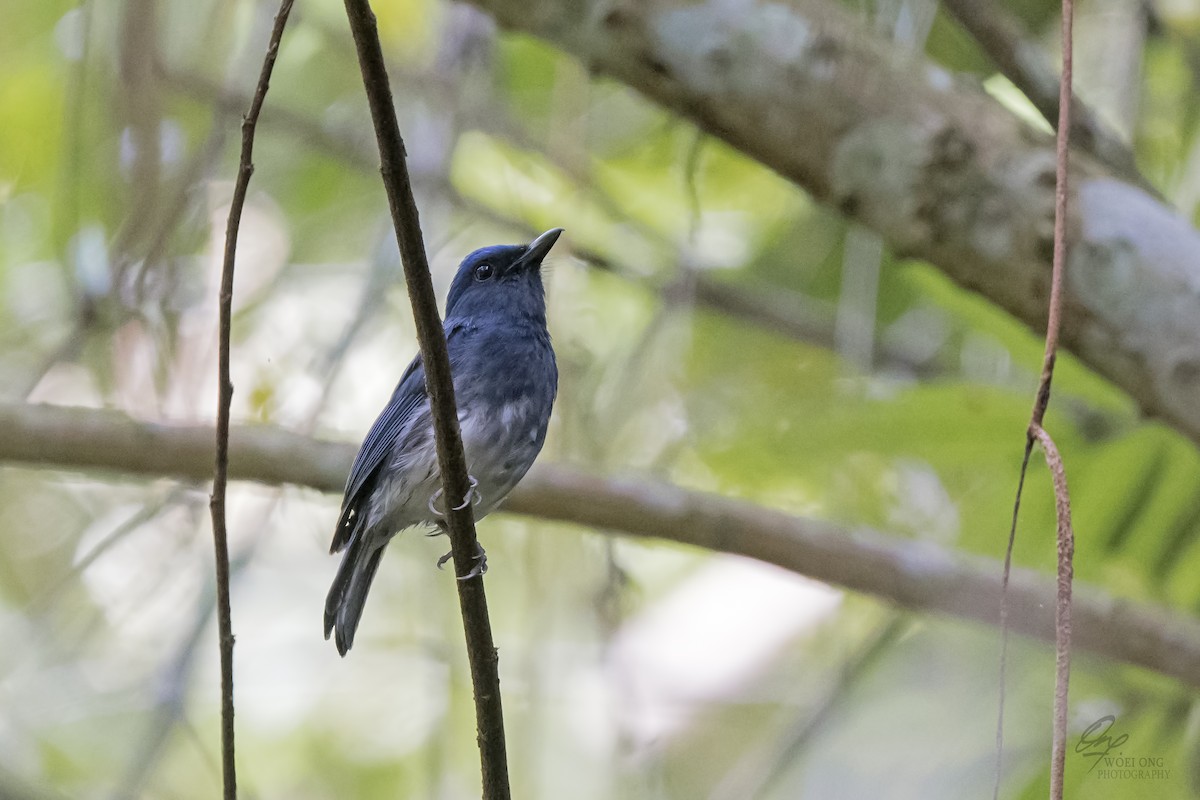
(501, 443)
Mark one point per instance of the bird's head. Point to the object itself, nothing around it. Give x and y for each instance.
(502, 279)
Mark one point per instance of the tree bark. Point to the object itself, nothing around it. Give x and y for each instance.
(941, 170)
(911, 574)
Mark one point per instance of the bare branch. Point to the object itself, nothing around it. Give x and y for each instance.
(224, 401)
(1066, 536)
(1062, 609)
(915, 575)
(1062, 498)
(452, 463)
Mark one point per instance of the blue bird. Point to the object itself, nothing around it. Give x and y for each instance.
(505, 381)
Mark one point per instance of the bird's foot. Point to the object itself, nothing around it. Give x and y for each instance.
(480, 560)
(473, 498)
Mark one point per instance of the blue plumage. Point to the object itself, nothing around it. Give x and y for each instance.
(505, 381)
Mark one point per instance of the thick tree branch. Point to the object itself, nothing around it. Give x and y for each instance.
(940, 169)
(452, 462)
(915, 575)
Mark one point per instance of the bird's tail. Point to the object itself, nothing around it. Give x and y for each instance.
(344, 605)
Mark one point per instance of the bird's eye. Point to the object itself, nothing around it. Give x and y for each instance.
(483, 272)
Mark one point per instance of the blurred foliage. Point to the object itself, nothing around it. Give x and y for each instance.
(118, 138)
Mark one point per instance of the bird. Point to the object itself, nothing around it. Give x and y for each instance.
(505, 382)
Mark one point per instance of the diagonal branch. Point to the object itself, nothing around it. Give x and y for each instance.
(225, 399)
(916, 575)
(452, 463)
(937, 167)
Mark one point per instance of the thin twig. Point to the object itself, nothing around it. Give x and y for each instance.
(1035, 431)
(1005, 579)
(1062, 610)
(1062, 158)
(168, 711)
(481, 651)
(1066, 537)
(225, 400)
(914, 575)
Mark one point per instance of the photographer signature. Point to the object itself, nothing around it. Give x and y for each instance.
(1096, 743)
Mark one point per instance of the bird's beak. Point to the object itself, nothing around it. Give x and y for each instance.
(539, 247)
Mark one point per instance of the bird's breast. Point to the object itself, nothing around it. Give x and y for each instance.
(501, 441)
(505, 380)
(503, 425)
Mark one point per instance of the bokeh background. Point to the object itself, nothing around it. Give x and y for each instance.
(715, 328)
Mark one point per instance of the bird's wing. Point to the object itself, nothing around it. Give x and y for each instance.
(407, 398)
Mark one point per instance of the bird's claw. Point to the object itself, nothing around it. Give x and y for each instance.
(473, 498)
(480, 559)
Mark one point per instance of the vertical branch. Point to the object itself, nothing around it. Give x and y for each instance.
(225, 399)
(1035, 432)
(1062, 154)
(1062, 612)
(481, 651)
(1066, 537)
(1005, 575)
